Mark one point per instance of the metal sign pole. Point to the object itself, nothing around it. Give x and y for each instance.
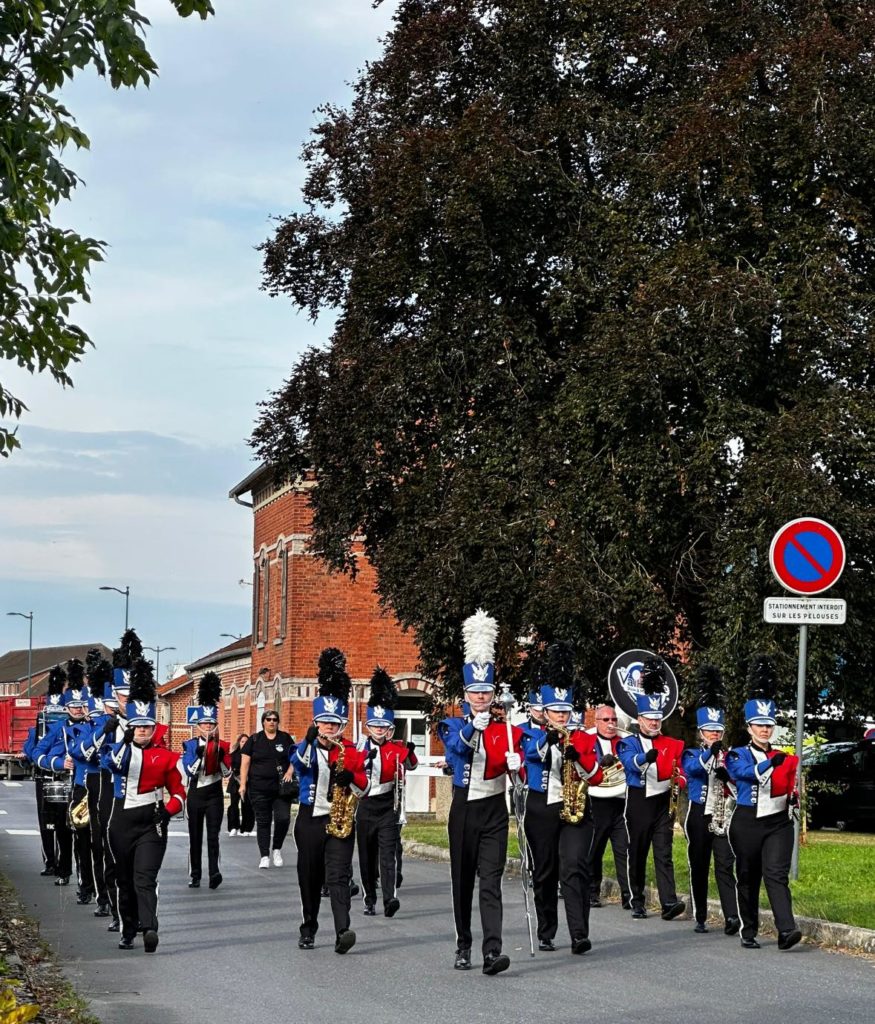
(800, 733)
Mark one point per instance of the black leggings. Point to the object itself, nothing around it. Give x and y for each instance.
(270, 810)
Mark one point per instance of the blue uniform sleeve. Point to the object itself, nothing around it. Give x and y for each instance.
(79, 745)
(51, 751)
(535, 747)
(299, 756)
(632, 756)
(190, 762)
(742, 767)
(694, 763)
(30, 744)
(115, 758)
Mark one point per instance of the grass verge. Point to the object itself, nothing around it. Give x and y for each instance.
(836, 872)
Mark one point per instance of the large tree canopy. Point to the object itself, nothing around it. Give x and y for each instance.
(43, 266)
(604, 274)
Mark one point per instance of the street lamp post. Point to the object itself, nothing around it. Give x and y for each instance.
(233, 636)
(127, 596)
(29, 617)
(158, 651)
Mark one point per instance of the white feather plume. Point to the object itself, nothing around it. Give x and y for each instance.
(479, 633)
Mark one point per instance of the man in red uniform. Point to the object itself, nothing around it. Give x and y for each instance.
(653, 767)
(139, 820)
(377, 816)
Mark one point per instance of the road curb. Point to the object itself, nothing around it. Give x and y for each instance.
(827, 933)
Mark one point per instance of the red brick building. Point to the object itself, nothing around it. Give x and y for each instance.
(299, 608)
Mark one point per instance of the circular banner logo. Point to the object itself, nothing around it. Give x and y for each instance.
(624, 682)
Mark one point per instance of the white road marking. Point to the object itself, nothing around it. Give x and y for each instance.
(22, 831)
(4, 812)
(12, 785)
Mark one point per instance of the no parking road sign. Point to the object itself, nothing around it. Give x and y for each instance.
(807, 556)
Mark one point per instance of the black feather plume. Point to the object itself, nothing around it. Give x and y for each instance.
(128, 651)
(209, 690)
(558, 666)
(57, 679)
(384, 692)
(75, 674)
(99, 674)
(142, 682)
(709, 692)
(92, 659)
(653, 677)
(333, 678)
(762, 678)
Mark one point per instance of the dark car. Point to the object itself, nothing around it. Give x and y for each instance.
(840, 780)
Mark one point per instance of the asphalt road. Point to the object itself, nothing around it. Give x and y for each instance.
(230, 956)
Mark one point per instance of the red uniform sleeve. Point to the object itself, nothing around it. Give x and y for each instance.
(585, 744)
(353, 761)
(173, 782)
(784, 776)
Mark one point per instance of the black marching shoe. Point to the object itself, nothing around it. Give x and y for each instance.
(463, 960)
(391, 908)
(345, 941)
(324, 893)
(83, 898)
(732, 926)
(216, 880)
(115, 926)
(749, 944)
(353, 889)
(102, 910)
(495, 963)
(150, 941)
(369, 910)
(49, 869)
(194, 883)
(546, 946)
(306, 942)
(787, 940)
(638, 913)
(580, 946)
(672, 910)
(595, 900)
(124, 943)
(701, 928)
(63, 880)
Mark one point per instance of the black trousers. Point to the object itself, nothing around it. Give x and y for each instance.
(560, 853)
(270, 810)
(206, 806)
(378, 831)
(104, 812)
(138, 851)
(477, 831)
(763, 849)
(648, 824)
(240, 813)
(82, 846)
(55, 816)
(46, 835)
(92, 784)
(322, 856)
(609, 825)
(701, 844)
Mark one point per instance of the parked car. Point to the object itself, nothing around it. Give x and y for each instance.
(840, 779)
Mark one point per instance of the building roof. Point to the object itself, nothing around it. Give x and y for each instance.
(247, 484)
(238, 649)
(177, 683)
(13, 664)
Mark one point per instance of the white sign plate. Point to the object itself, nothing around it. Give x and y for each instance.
(800, 611)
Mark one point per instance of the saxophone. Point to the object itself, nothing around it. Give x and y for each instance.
(79, 815)
(717, 803)
(573, 786)
(343, 804)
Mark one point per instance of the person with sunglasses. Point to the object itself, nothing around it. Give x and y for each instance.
(264, 761)
(608, 808)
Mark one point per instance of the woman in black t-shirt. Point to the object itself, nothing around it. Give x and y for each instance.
(264, 762)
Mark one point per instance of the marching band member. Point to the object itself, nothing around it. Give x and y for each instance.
(48, 719)
(709, 808)
(761, 830)
(477, 752)
(608, 808)
(50, 756)
(377, 827)
(652, 765)
(99, 673)
(206, 760)
(140, 817)
(332, 775)
(559, 834)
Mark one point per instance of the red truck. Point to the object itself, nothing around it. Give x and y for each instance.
(17, 715)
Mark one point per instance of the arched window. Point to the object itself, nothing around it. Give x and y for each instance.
(283, 556)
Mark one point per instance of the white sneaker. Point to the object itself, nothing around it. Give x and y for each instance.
(264, 862)
(277, 859)
(233, 832)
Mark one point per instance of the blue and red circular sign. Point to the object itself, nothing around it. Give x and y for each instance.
(807, 556)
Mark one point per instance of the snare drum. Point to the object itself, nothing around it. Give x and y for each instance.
(58, 791)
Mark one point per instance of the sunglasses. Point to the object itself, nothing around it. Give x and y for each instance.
(271, 718)
(606, 719)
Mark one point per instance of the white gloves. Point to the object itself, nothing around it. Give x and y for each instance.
(513, 762)
(481, 720)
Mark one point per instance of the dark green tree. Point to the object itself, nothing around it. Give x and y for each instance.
(604, 281)
(44, 267)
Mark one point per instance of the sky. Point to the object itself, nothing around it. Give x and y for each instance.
(123, 480)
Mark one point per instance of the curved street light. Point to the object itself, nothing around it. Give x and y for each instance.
(158, 651)
(126, 593)
(29, 616)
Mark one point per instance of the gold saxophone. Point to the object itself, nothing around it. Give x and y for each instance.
(80, 817)
(343, 804)
(573, 786)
